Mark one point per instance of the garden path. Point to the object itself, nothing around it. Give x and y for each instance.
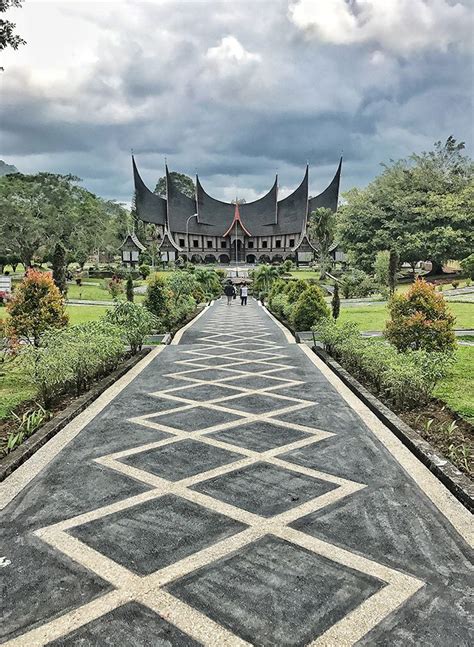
(230, 490)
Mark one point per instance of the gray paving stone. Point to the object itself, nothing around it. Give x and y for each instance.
(195, 419)
(181, 460)
(259, 436)
(258, 403)
(131, 625)
(39, 584)
(157, 533)
(264, 489)
(394, 526)
(274, 593)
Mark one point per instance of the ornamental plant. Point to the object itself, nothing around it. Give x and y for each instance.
(129, 288)
(158, 300)
(420, 319)
(309, 309)
(135, 321)
(36, 306)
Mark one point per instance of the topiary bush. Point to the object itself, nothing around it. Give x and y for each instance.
(36, 305)
(294, 289)
(420, 319)
(309, 309)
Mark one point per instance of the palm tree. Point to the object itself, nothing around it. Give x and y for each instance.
(264, 277)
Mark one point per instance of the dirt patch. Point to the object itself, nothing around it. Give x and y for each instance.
(446, 431)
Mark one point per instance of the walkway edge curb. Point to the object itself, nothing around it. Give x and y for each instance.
(457, 483)
(57, 433)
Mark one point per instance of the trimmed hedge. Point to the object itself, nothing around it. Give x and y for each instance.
(406, 379)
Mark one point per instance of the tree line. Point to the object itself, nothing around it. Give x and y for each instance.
(39, 211)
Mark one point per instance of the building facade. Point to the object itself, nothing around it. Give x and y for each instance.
(203, 229)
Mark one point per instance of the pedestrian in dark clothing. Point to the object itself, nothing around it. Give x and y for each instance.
(229, 291)
(244, 291)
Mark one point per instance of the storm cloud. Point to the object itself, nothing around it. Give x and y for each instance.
(237, 90)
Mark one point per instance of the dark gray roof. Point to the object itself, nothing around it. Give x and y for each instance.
(266, 216)
(149, 206)
(329, 197)
(292, 210)
(256, 216)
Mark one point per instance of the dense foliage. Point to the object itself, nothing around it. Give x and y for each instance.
(309, 309)
(420, 319)
(40, 210)
(467, 266)
(321, 230)
(181, 181)
(406, 379)
(136, 322)
(36, 305)
(70, 359)
(422, 206)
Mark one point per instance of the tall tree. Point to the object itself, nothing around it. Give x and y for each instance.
(40, 210)
(392, 270)
(181, 181)
(321, 229)
(423, 206)
(8, 38)
(59, 268)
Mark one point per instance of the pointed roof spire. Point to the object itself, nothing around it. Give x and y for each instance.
(237, 219)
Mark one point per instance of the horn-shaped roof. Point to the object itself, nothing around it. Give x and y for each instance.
(150, 207)
(329, 197)
(266, 216)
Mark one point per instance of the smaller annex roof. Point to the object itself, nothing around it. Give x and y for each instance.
(133, 237)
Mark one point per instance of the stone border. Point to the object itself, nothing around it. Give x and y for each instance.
(11, 461)
(455, 481)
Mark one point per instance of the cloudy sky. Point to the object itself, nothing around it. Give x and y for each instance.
(235, 89)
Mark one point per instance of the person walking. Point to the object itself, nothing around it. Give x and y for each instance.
(229, 291)
(244, 291)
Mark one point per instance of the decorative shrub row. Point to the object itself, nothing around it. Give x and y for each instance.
(70, 359)
(300, 304)
(406, 379)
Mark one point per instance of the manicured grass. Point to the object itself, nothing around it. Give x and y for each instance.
(371, 318)
(457, 390)
(82, 314)
(15, 387)
(88, 292)
(305, 274)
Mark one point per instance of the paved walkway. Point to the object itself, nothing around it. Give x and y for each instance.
(231, 491)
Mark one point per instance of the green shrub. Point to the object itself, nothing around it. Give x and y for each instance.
(144, 270)
(70, 359)
(407, 379)
(294, 289)
(129, 288)
(158, 300)
(309, 309)
(467, 265)
(114, 286)
(36, 305)
(357, 284)
(420, 319)
(136, 321)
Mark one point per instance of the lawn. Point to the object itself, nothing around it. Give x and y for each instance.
(15, 387)
(82, 314)
(373, 318)
(457, 390)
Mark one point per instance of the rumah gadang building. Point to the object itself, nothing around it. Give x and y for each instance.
(206, 230)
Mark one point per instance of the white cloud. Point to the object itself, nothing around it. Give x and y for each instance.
(402, 26)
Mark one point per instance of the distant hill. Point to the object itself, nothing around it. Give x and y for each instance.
(5, 168)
